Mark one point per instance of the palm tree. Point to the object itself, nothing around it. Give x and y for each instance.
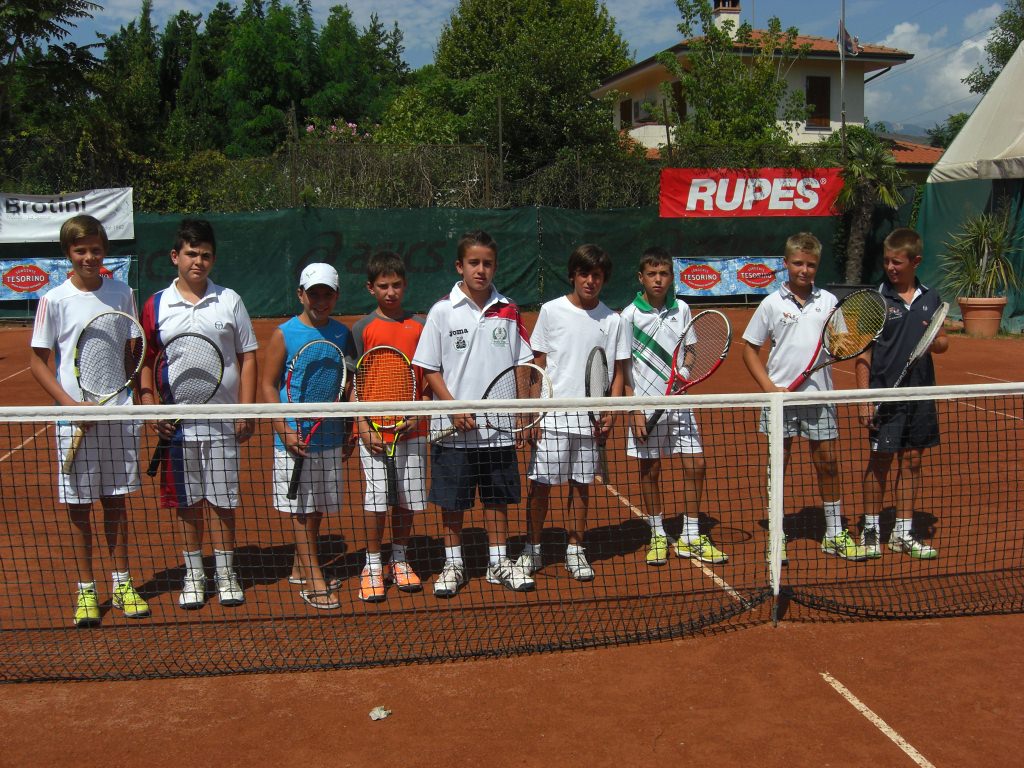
(871, 177)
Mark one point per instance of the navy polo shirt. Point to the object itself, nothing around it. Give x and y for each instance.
(903, 329)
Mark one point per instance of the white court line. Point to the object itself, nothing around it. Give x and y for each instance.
(5, 378)
(718, 580)
(997, 413)
(878, 722)
(25, 442)
(990, 378)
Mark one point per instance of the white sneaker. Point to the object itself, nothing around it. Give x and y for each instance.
(532, 563)
(228, 588)
(451, 578)
(510, 575)
(870, 540)
(909, 544)
(193, 590)
(578, 567)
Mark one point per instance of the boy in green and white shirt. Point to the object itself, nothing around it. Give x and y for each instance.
(655, 320)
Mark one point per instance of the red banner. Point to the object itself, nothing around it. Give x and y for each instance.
(727, 192)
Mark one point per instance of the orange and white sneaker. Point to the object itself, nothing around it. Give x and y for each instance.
(404, 577)
(371, 586)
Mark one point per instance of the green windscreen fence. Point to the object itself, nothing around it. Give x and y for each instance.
(260, 254)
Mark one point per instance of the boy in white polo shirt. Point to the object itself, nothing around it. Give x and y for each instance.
(655, 322)
(106, 466)
(469, 337)
(792, 319)
(567, 329)
(201, 464)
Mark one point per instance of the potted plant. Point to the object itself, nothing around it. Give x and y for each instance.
(977, 269)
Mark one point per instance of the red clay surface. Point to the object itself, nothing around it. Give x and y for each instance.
(755, 695)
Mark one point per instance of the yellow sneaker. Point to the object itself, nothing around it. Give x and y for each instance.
(128, 600)
(657, 550)
(701, 549)
(87, 608)
(843, 546)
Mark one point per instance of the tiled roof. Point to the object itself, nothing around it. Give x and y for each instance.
(909, 153)
(818, 45)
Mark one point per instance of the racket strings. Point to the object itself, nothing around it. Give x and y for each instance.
(855, 324)
(385, 375)
(708, 338)
(597, 381)
(521, 382)
(322, 378)
(109, 337)
(190, 372)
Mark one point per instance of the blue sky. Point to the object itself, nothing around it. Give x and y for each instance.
(947, 37)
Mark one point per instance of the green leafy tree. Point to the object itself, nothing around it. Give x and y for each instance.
(429, 110)
(26, 23)
(343, 71)
(870, 178)
(1006, 35)
(942, 134)
(731, 100)
(176, 44)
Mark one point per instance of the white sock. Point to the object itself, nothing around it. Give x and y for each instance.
(453, 555)
(120, 577)
(532, 549)
(84, 585)
(902, 527)
(574, 549)
(398, 553)
(373, 563)
(194, 561)
(496, 552)
(871, 521)
(691, 529)
(224, 559)
(833, 519)
(657, 524)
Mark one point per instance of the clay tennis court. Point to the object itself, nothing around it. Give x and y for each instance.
(739, 693)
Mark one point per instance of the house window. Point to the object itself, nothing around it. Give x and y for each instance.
(678, 100)
(819, 99)
(625, 113)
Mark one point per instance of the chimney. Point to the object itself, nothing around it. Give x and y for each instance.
(727, 10)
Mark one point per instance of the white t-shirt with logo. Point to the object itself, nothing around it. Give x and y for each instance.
(567, 334)
(794, 332)
(471, 345)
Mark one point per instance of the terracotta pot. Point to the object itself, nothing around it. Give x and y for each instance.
(982, 316)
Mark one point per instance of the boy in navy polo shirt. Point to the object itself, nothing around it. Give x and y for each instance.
(470, 336)
(900, 430)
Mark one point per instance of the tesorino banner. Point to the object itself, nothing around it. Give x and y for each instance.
(729, 192)
(728, 277)
(32, 278)
(37, 218)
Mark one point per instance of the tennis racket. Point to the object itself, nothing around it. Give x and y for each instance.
(108, 356)
(526, 381)
(187, 371)
(316, 374)
(385, 374)
(702, 348)
(596, 383)
(851, 327)
(921, 349)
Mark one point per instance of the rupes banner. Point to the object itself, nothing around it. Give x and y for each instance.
(32, 278)
(729, 192)
(728, 277)
(37, 218)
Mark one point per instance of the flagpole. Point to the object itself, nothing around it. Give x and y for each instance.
(842, 79)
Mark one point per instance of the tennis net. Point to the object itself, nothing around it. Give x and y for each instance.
(731, 515)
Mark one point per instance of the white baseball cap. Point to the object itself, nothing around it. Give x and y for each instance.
(318, 274)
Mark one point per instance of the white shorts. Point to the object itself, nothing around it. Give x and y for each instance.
(815, 422)
(411, 466)
(197, 470)
(559, 457)
(106, 464)
(320, 482)
(675, 432)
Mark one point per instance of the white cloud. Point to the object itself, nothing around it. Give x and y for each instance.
(981, 20)
(929, 87)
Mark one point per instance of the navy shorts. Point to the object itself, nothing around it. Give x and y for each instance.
(456, 473)
(905, 424)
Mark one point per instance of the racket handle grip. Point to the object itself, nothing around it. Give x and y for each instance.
(158, 456)
(653, 419)
(442, 434)
(391, 474)
(293, 484)
(69, 457)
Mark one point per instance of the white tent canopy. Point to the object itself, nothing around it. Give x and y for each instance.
(991, 143)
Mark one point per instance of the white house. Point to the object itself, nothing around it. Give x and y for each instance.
(640, 103)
